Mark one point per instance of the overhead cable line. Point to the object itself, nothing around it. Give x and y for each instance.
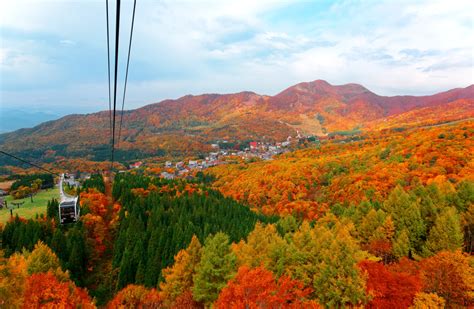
(108, 66)
(126, 71)
(117, 32)
(27, 162)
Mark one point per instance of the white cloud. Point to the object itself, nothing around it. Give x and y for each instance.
(67, 42)
(183, 47)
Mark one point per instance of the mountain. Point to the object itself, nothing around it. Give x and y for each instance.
(189, 125)
(348, 106)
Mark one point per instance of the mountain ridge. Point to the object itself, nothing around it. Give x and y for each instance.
(188, 125)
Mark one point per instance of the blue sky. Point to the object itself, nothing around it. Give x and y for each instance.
(53, 53)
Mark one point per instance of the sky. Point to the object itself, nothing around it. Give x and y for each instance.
(53, 54)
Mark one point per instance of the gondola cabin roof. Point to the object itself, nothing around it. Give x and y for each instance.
(68, 204)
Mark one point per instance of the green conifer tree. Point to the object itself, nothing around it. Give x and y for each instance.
(401, 244)
(217, 266)
(446, 233)
(406, 214)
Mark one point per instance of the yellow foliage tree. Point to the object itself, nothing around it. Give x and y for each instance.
(428, 301)
(12, 280)
(179, 276)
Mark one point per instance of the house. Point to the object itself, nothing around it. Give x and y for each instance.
(192, 163)
(85, 176)
(183, 172)
(168, 164)
(167, 175)
(179, 165)
(253, 145)
(136, 165)
(3, 192)
(285, 144)
(215, 146)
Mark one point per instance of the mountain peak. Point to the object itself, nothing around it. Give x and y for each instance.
(307, 93)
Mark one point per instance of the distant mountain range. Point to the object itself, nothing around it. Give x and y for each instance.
(12, 119)
(189, 125)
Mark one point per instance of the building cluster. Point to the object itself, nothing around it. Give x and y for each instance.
(260, 150)
(222, 154)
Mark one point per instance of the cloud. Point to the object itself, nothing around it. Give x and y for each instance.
(183, 47)
(21, 68)
(417, 53)
(67, 42)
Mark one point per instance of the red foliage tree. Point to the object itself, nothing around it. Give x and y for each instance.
(389, 289)
(405, 265)
(257, 288)
(381, 248)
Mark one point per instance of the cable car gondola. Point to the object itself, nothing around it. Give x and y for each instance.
(69, 210)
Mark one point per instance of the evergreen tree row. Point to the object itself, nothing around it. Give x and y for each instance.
(27, 180)
(68, 242)
(96, 181)
(154, 228)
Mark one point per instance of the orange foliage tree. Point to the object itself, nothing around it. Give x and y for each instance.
(99, 220)
(451, 276)
(186, 301)
(135, 296)
(44, 290)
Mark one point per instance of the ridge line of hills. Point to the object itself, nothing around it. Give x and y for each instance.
(190, 124)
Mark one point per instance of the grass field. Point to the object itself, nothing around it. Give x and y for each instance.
(29, 209)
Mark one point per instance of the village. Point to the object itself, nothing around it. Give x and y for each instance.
(256, 150)
(223, 152)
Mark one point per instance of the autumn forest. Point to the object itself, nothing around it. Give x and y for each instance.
(382, 221)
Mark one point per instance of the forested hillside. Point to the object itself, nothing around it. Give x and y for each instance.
(309, 182)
